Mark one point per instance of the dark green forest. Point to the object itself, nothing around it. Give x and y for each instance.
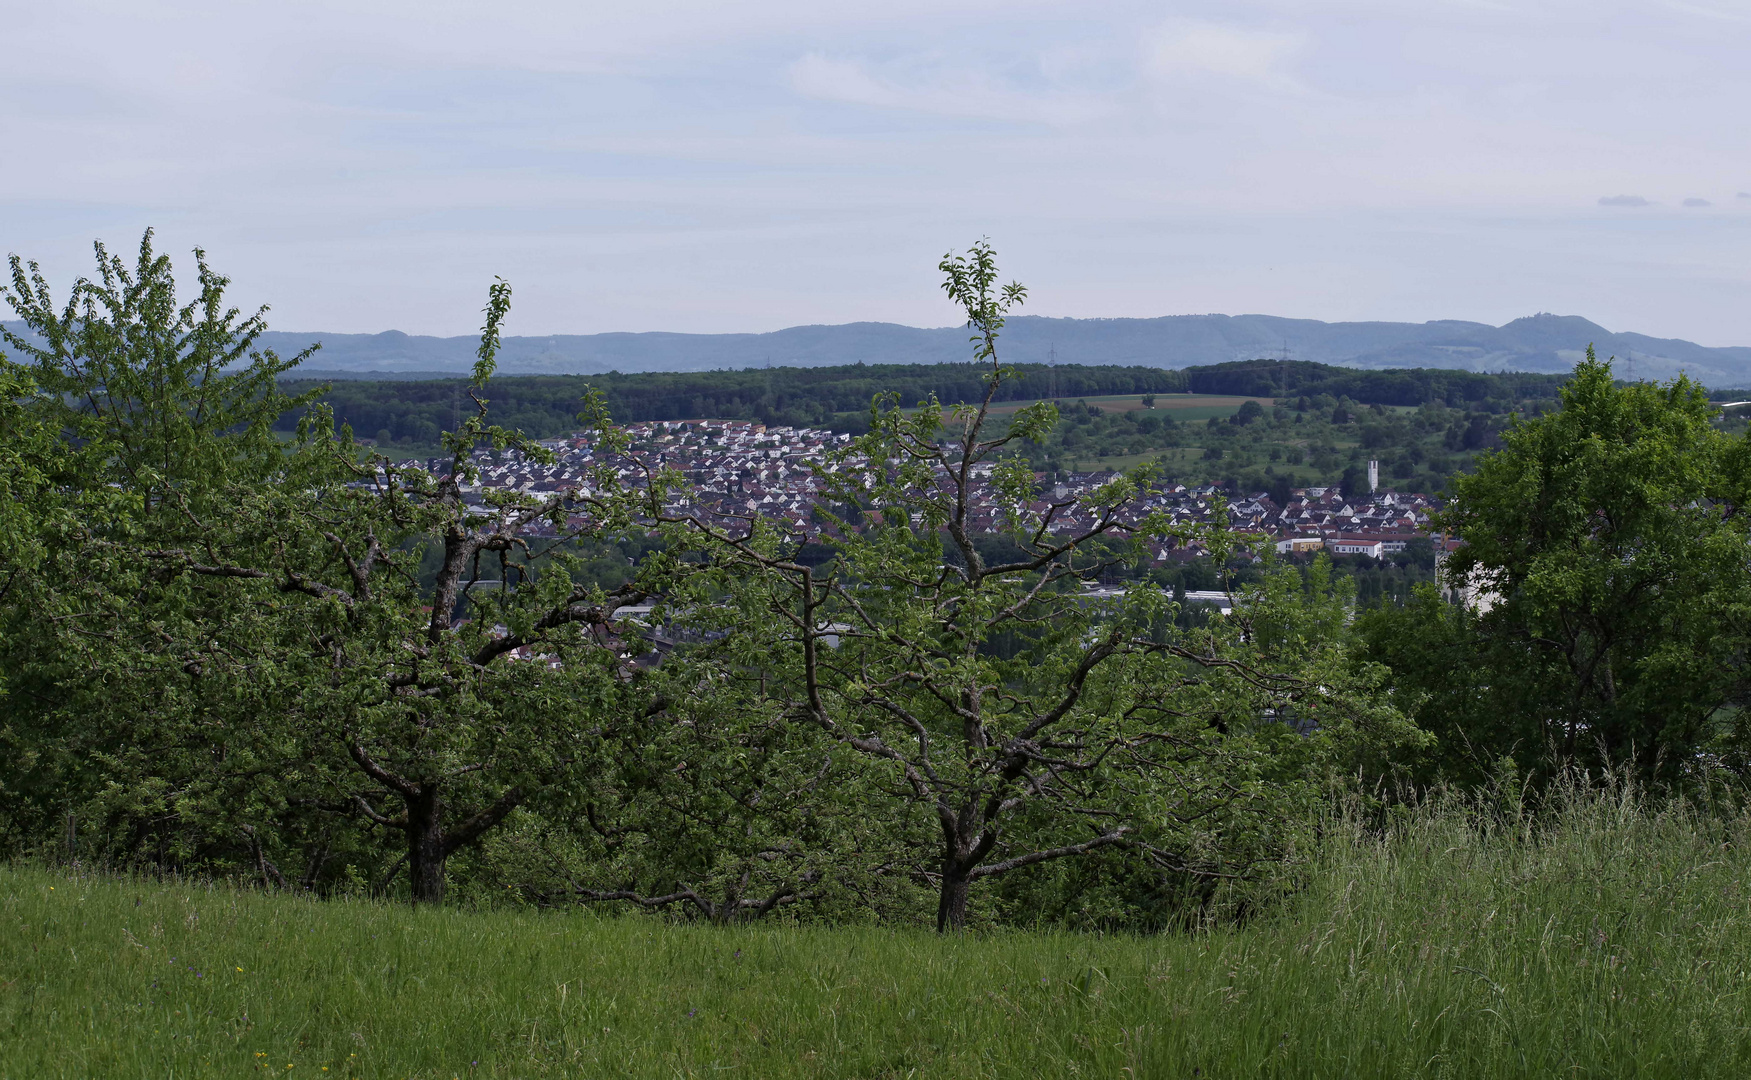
(547, 405)
(1418, 386)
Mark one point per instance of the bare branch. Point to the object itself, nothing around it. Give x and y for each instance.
(1104, 840)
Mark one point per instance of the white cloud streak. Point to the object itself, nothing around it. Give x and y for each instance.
(937, 88)
(1193, 48)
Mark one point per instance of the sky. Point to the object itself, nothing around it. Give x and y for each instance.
(708, 166)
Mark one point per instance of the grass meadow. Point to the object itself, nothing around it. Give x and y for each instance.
(1614, 940)
(1184, 408)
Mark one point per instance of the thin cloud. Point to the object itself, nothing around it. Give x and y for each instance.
(1624, 200)
(1198, 48)
(1723, 12)
(1697, 202)
(927, 87)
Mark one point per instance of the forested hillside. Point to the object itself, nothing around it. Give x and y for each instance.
(547, 405)
(1399, 386)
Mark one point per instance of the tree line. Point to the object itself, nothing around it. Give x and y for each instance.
(1399, 386)
(543, 406)
(298, 662)
(547, 405)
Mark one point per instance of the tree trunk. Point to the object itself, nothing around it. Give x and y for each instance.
(425, 848)
(951, 904)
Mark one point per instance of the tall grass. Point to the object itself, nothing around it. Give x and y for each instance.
(1614, 939)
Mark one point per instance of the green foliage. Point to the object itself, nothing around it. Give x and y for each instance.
(415, 411)
(290, 664)
(1405, 386)
(1605, 548)
(711, 805)
(1000, 707)
(137, 422)
(287, 659)
(240, 667)
(546, 405)
(175, 395)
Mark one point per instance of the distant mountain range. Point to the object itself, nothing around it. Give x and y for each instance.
(1538, 343)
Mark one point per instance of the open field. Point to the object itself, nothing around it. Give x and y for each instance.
(1615, 943)
(1183, 460)
(1181, 407)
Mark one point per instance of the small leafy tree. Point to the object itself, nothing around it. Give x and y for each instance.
(1026, 719)
(131, 416)
(243, 667)
(175, 396)
(434, 716)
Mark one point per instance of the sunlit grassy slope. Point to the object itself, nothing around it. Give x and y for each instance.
(1618, 943)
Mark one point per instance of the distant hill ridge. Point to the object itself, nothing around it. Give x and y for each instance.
(1537, 343)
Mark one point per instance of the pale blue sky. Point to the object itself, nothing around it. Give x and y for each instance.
(685, 165)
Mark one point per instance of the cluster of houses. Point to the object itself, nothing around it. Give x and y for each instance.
(1375, 525)
(740, 469)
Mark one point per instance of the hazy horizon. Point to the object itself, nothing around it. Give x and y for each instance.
(1020, 314)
